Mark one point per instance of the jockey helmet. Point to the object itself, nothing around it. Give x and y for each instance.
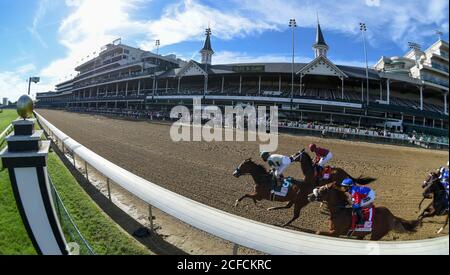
(312, 147)
(265, 155)
(347, 182)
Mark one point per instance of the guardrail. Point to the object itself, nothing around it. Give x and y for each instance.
(6, 131)
(241, 231)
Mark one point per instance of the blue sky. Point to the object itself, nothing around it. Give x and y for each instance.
(48, 38)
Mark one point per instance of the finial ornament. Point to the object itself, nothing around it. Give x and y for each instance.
(25, 107)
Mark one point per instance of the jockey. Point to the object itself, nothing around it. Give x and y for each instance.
(362, 197)
(444, 179)
(323, 156)
(277, 163)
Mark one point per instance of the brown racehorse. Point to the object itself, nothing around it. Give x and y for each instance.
(439, 206)
(341, 217)
(263, 187)
(337, 176)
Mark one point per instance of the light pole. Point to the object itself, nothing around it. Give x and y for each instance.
(33, 79)
(363, 29)
(293, 25)
(157, 44)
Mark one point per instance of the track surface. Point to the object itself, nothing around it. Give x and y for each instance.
(203, 171)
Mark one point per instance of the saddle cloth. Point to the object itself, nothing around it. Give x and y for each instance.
(326, 172)
(284, 189)
(368, 215)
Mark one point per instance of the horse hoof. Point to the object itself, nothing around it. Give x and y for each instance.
(440, 230)
(236, 203)
(270, 209)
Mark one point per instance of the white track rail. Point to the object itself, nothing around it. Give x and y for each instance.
(3, 134)
(262, 237)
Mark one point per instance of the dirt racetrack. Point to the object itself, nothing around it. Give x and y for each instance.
(203, 171)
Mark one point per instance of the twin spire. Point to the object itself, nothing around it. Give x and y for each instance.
(320, 47)
(207, 51)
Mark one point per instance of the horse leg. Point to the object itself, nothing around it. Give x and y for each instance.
(251, 196)
(287, 206)
(298, 207)
(445, 224)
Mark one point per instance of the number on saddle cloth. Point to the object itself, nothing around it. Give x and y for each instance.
(368, 216)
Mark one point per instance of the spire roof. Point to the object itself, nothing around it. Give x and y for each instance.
(207, 46)
(319, 36)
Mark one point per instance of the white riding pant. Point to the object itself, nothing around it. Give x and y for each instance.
(284, 165)
(323, 161)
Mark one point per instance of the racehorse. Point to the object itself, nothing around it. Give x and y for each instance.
(337, 175)
(297, 194)
(341, 217)
(439, 205)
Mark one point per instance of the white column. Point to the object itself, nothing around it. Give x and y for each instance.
(301, 83)
(179, 82)
(342, 78)
(259, 86)
(388, 91)
(240, 84)
(362, 91)
(126, 89)
(381, 91)
(445, 104)
(117, 88)
(279, 84)
(139, 87)
(421, 97)
(223, 84)
(167, 86)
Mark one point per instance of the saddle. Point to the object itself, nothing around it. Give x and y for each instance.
(368, 216)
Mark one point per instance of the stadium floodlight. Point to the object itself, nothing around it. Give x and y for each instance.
(363, 29)
(33, 79)
(293, 25)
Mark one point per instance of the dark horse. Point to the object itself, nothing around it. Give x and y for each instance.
(263, 188)
(337, 176)
(341, 217)
(439, 205)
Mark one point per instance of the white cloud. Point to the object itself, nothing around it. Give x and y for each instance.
(14, 83)
(38, 16)
(90, 25)
(26, 69)
(387, 20)
(373, 3)
(187, 20)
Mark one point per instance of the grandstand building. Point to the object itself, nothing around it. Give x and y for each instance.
(411, 90)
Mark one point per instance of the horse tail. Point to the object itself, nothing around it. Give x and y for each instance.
(409, 226)
(364, 180)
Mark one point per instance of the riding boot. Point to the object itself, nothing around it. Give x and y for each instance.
(359, 214)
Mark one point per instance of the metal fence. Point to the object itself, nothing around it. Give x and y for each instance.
(76, 242)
